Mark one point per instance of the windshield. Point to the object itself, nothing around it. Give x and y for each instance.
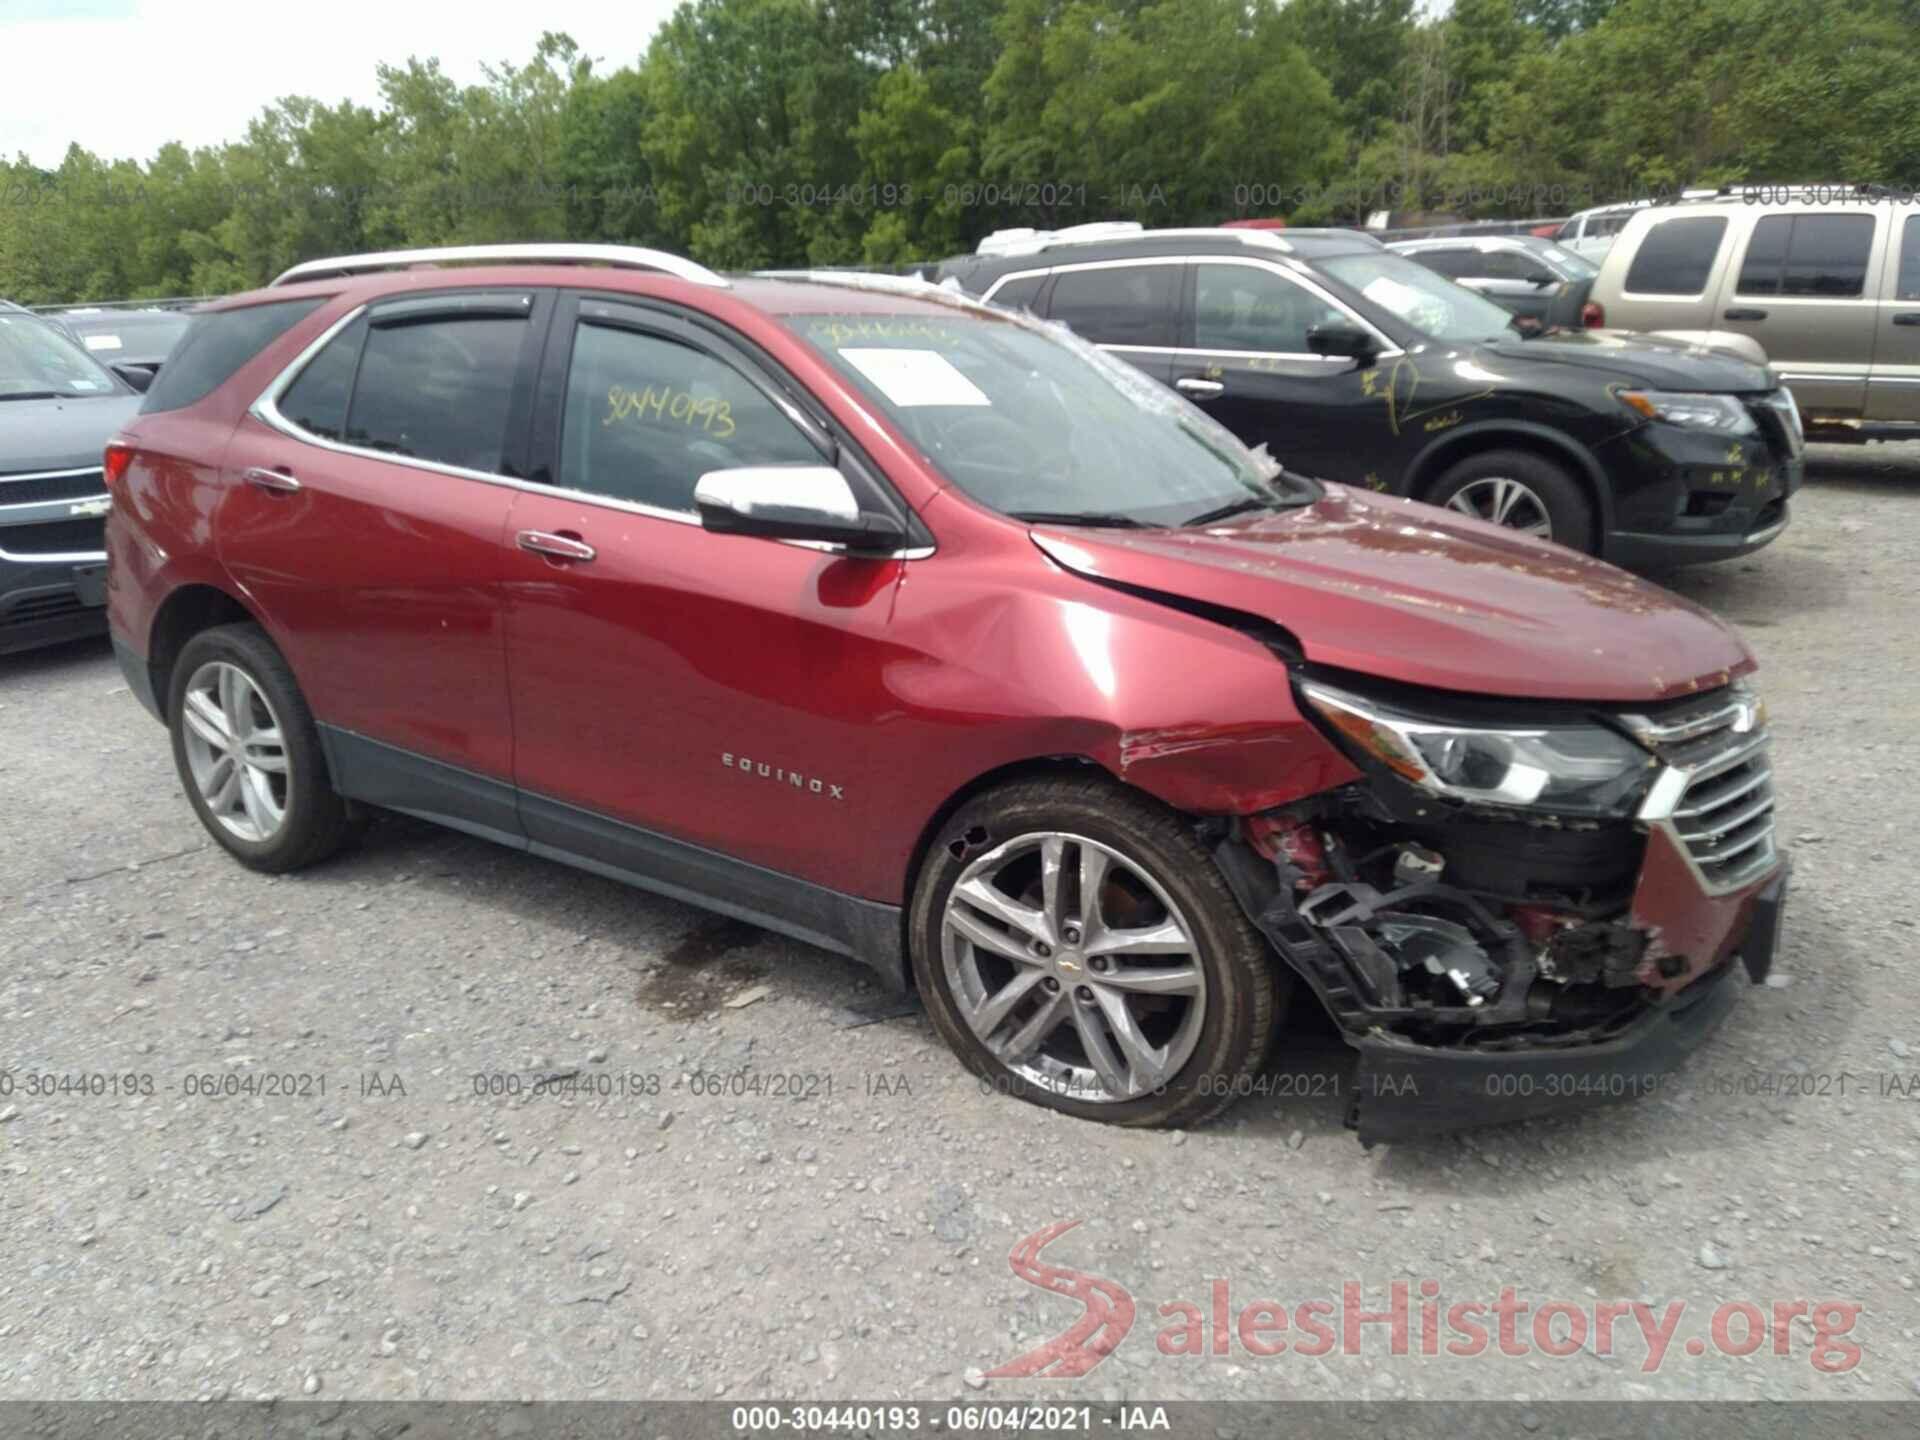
(36, 360)
(1032, 421)
(1430, 303)
(1574, 267)
(138, 334)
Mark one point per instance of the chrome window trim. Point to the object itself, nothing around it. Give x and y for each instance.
(1237, 354)
(14, 507)
(1300, 276)
(46, 475)
(266, 410)
(1043, 271)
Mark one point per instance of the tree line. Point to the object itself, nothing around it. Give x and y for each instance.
(756, 133)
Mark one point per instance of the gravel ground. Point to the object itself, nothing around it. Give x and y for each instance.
(404, 1235)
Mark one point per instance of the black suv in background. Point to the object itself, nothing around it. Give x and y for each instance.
(1361, 366)
(58, 409)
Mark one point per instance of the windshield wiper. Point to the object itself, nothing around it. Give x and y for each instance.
(32, 395)
(1081, 517)
(1229, 510)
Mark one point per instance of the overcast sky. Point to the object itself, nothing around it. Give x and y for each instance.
(122, 77)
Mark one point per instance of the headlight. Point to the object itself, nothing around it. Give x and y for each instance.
(1575, 769)
(1695, 412)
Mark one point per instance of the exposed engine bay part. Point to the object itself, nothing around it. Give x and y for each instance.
(1507, 949)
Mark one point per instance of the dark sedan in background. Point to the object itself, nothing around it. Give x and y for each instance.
(1533, 278)
(133, 343)
(58, 408)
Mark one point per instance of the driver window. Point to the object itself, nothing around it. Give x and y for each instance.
(1509, 265)
(647, 416)
(1239, 307)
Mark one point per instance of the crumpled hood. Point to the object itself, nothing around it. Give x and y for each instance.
(67, 434)
(1639, 360)
(1413, 593)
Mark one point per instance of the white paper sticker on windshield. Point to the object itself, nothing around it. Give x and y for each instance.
(915, 377)
(103, 342)
(1401, 299)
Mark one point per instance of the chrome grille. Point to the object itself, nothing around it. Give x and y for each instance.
(37, 487)
(1724, 814)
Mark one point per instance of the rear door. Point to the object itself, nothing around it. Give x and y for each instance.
(365, 513)
(1127, 307)
(1801, 288)
(1244, 360)
(1893, 388)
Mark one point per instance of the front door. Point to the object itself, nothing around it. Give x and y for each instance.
(1245, 362)
(1893, 389)
(672, 687)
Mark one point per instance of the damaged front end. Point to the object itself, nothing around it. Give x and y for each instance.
(1521, 909)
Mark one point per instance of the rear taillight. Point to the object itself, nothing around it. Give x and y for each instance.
(1593, 315)
(115, 464)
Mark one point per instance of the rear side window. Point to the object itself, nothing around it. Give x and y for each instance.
(1119, 305)
(1813, 255)
(317, 401)
(647, 416)
(437, 389)
(1451, 263)
(1676, 256)
(1909, 282)
(218, 345)
(1019, 294)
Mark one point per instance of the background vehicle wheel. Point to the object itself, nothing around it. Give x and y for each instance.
(1076, 946)
(248, 753)
(1522, 492)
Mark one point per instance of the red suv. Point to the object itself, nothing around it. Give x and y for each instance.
(925, 632)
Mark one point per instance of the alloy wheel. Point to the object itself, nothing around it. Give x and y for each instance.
(1073, 967)
(1505, 502)
(235, 751)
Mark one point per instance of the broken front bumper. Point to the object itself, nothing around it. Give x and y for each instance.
(1403, 1090)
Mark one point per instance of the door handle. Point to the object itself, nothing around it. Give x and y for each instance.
(1907, 317)
(1195, 386)
(1746, 315)
(556, 547)
(275, 482)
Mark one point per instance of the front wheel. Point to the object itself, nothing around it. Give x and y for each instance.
(1077, 946)
(1520, 491)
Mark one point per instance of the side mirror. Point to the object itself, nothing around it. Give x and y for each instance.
(1346, 340)
(791, 502)
(138, 376)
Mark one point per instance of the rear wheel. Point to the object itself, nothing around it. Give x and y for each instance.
(1520, 491)
(249, 754)
(1077, 946)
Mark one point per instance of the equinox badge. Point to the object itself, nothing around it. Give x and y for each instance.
(774, 773)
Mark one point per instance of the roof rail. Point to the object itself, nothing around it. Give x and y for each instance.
(626, 257)
(1834, 190)
(1032, 242)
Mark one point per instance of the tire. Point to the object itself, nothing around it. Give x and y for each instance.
(236, 670)
(1157, 872)
(1541, 489)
